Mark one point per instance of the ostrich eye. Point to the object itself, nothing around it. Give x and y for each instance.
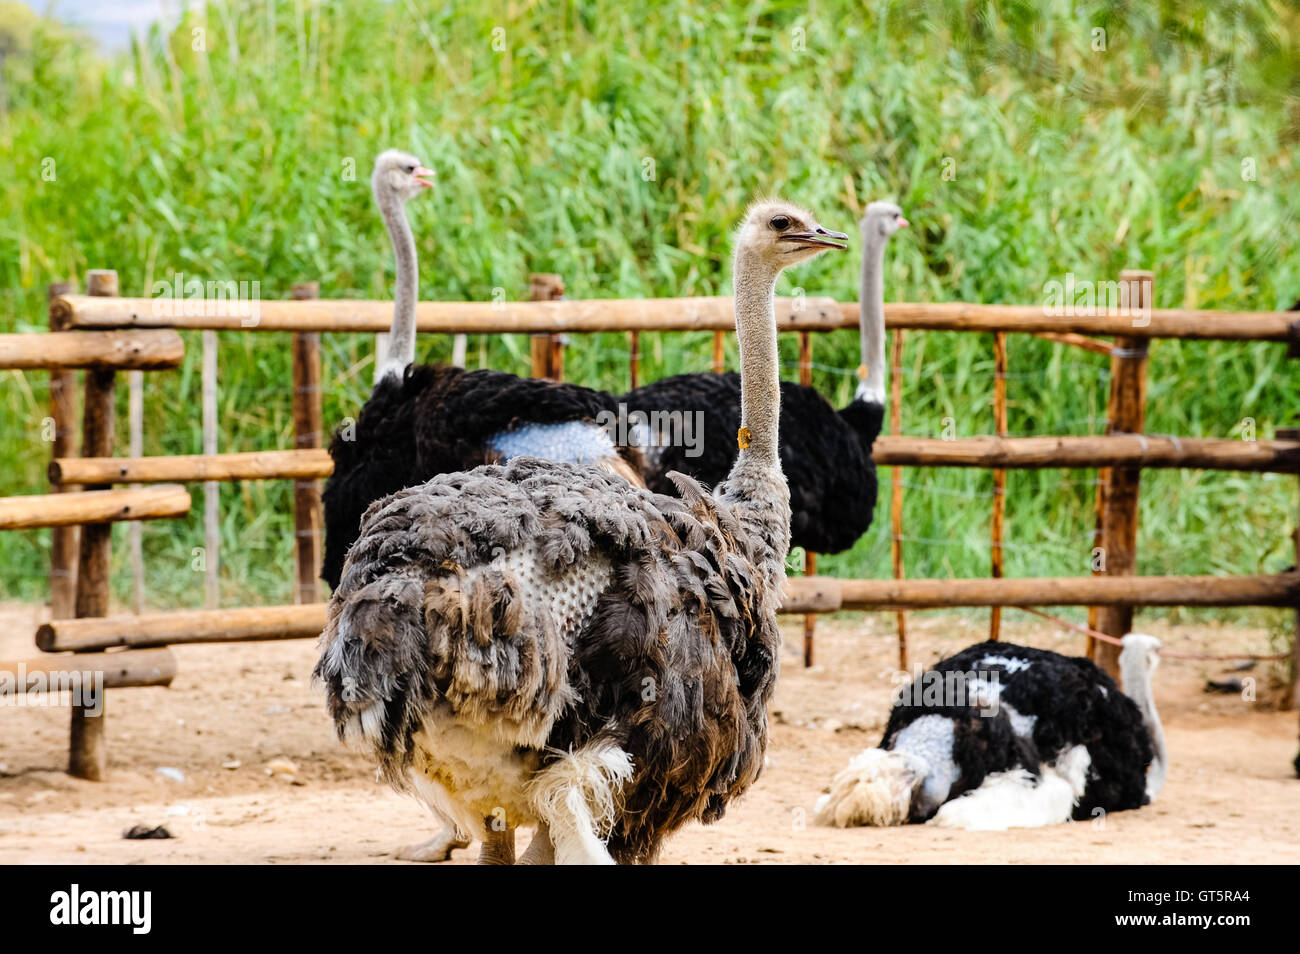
(409, 168)
(780, 223)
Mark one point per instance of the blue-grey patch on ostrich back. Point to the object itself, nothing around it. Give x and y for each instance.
(574, 442)
(931, 737)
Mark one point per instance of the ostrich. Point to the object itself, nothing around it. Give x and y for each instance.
(826, 454)
(539, 644)
(423, 420)
(1002, 736)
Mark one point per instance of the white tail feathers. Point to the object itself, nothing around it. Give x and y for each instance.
(579, 797)
(874, 789)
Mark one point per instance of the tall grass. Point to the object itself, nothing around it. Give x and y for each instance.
(1019, 151)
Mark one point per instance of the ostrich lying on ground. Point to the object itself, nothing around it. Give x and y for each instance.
(1001, 736)
(540, 644)
(825, 454)
(424, 420)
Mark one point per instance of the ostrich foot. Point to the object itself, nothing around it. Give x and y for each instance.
(498, 847)
(437, 848)
(540, 850)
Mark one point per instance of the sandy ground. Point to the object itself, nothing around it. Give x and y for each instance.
(234, 710)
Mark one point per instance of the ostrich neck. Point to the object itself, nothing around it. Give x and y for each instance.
(756, 487)
(1137, 686)
(401, 338)
(871, 322)
(760, 381)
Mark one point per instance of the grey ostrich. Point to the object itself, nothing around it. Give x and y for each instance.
(538, 644)
(425, 419)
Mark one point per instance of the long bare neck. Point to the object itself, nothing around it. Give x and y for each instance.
(755, 487)
(871, 321)
(1136, 675)
(401, 337)
(760, 380)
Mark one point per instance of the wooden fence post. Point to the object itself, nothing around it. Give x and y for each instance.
(896, 503)
(135, 448)
(719, 352)
(63, 415)
(634, 358)
(1293, 434)
(87, 746)
(810, 558)
(999, 476)
(547, 350)
(307, 429)
(1125, 414)
(211, 488)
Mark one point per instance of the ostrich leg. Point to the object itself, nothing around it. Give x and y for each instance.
(498, 846)
(540, 850)
(439, 847)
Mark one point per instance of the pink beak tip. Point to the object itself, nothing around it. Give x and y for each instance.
(903, 223)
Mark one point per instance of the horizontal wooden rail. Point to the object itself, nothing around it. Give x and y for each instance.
(804, 594)
(184, 626)
(533, 317)
(258, 465)
(1190, 324)
(132, 350)
(1027, 453)
(93, 506)
(824, 594)
(133, 667)
(1205, 453)
(669, 314)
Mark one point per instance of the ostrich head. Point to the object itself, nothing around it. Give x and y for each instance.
(780, 234)
(1138, 659)
(399, 175)
(882, 219)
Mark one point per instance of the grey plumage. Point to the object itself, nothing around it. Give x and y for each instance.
(539, 643)
(431, 617)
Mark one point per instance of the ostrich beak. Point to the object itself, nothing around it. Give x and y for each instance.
(903, 223)
(420, 173)
(817, 237)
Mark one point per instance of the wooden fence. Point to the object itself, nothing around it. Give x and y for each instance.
(103, 333)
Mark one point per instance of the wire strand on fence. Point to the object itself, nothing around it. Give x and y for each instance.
(1168, 653)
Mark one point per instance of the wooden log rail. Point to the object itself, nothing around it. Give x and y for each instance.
(1016, 453)
(307, 464)
(827, 594)
(303, 621)
(93, 506)
(804, 594)
(1029, 453)
(122, 670)
(671, 314)
(152, 350)
(526, 317)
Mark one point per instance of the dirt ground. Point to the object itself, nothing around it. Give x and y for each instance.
(237, 712)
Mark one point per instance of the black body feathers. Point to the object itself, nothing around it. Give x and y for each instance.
(434, 420)
(1072, 702)
(825, 454)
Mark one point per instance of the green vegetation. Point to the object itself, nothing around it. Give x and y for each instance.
(617, 144)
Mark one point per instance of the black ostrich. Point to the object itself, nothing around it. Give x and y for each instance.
(425, 420)
(1002, 736)
(825, 453)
